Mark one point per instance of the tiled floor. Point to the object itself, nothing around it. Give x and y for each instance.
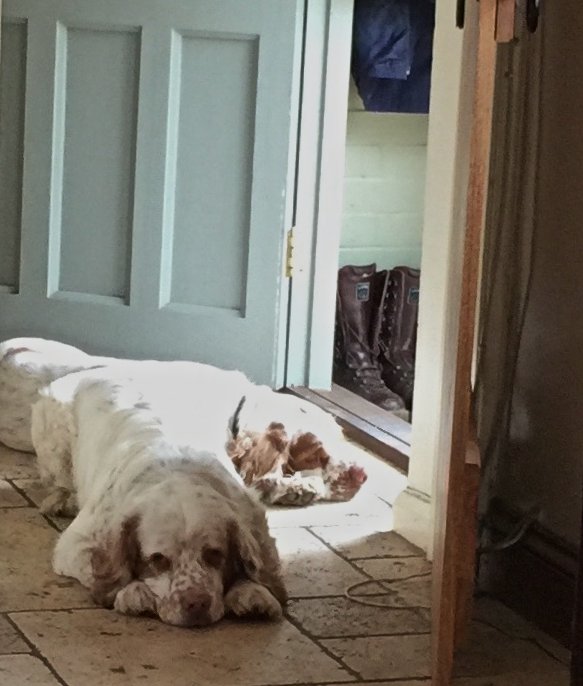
(50, 632)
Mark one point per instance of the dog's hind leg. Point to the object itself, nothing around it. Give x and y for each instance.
(298, 490)
(52, 436)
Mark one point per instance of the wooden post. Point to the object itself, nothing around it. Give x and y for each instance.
(453, 568)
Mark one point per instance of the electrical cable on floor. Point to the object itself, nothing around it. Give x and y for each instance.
(369, 602)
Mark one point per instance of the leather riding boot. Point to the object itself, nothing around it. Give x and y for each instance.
(355, 366)
(398, 331)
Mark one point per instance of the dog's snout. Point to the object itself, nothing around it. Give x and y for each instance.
(196, 606)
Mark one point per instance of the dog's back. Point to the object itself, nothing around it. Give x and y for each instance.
(26, 366)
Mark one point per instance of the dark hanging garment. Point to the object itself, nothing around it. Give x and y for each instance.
(392, 54)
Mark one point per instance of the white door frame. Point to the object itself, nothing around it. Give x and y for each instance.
(320, 182)
(323, 117)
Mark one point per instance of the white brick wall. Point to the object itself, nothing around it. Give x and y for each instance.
(383, 187)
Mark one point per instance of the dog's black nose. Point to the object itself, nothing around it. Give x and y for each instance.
(196, 606)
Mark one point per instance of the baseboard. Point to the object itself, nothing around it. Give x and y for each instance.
(536, 577)
(412, 514)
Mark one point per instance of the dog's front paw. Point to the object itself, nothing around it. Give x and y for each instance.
(345, 481)
(249, 599)
(135, 599)
(60, 502)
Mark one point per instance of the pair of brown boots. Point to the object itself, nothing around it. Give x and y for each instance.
(376, 331)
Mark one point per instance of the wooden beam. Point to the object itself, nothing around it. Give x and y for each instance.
(451, 531)
(505, 21)
(577, 638)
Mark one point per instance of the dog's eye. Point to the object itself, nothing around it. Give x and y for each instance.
(160, 563)
(213, 557)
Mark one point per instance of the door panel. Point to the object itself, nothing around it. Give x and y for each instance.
(155, 184)
(13, 62)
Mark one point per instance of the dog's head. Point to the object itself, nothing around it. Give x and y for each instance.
(183, 540)
(281, 433)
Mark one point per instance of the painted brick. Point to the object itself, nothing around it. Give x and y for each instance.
(384, 187)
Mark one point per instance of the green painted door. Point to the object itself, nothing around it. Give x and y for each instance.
(146, 168)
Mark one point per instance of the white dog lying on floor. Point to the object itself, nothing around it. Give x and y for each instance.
(282, 446)
(162, 529)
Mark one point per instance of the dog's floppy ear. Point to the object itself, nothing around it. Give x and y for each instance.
(257, 558)
(256, 454)
(307, 452)
(115, 562)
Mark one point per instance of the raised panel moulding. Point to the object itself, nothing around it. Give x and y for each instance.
(13, 49)
(209, 172)
(93, 166)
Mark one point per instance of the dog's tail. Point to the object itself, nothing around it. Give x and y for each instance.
(234, 422)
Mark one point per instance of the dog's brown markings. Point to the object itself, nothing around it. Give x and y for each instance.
(256, 454)
(307, 452)
(116, 562)
(15, 351)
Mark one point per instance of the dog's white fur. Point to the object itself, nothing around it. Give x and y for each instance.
(162, 528)
(196, 402)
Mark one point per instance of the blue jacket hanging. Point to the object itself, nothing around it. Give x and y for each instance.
(392, 54)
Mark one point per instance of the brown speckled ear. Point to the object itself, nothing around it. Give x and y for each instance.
(307, 452)
(116, 562)
(256, 556)
(256, 454)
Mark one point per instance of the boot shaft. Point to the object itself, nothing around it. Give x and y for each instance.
(356, 366)
(398, 329)
(354, 314)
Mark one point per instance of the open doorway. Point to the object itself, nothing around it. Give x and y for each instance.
(376, 255)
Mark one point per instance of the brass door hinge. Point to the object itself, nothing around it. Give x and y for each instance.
(289, 253)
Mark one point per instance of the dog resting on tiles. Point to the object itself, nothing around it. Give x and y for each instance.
(282, 447)
(162, 529)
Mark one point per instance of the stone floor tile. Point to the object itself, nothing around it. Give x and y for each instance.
(28, 581)
(417, 682)
(559, 677)
(102, 648)
(25, 670)
(361, 508)
(327, 617)
(10, 640)
(310, 568)
(491, 652)
(384, 482)
(384, 657)
(373, 538)
(16, 465)
(33, 488)
(394, 568)
(495, 613)
(409, 593)
(10, 497)
(398, 589)
(383, 479)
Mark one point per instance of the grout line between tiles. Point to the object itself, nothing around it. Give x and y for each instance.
(387, 557)
(31, 503)
(390, 680)
(340, 555)
(35, 652)
(22, 492)
(532, 640)
(323, 648)
(373, 635)
(53, 609)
